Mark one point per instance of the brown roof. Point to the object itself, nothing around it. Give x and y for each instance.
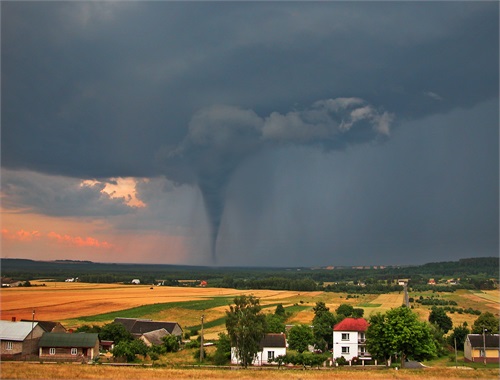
(273, 340)
(129, 322)
(141, 326)
(46, 325)
(490, 340)
(155, 337)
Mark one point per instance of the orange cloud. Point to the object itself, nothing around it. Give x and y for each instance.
(124, 188)
(20, 235)
(78, 241)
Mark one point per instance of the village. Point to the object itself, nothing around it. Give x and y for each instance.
(50, 341)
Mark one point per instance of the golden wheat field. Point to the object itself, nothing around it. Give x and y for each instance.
(67, 302)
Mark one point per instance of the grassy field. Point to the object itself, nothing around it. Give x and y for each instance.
(75, 304)
(21, 370)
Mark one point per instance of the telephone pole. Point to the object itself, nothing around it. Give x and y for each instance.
(201, 339)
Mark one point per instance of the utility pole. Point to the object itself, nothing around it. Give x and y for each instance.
(201, 339)
(32, 327)
(484, 344)
(455, 339)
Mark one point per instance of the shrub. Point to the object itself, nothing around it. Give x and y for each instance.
(341, 360)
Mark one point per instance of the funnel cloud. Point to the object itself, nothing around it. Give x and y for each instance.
(221, 137)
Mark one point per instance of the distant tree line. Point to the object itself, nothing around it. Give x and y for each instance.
(476, 273)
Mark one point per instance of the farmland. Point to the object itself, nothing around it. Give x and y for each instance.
(75, 304)
(66, 371)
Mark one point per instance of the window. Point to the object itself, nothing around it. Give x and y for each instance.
(52, 351)
(74, 351)
(345, 336)
(345, 350)
(9, 346)
(270, 355)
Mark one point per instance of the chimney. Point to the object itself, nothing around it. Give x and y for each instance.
(13, 319)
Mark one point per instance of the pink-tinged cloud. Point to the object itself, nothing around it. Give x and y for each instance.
(78, 241)
(21, 235)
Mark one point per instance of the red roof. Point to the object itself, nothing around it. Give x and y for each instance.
(351, 324)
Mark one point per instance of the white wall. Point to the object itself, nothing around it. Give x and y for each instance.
(351, 344)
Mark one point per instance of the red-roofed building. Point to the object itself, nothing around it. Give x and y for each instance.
(349, 339)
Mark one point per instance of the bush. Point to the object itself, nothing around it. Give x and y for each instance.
(341, 360)
(193, 344)
(171, 343)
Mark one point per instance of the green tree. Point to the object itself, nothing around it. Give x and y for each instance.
(171, 343)
(223, 353)
(358, 313)
(486, 321)
(438, 316)
(400, 332)
(300, 337)
(275, 323)
(280, 311)
(459, 334)
(345, 309)
(323, 322)
(129, 349)
(246, 326)
(115, 332)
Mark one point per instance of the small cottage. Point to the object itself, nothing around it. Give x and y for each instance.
(479, 347)
(270, 347)
(78, 347)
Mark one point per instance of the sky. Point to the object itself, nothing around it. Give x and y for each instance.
(250, 133)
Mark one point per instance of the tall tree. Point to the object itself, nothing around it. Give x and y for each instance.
(275, 324)
(246, 326)
(458, 335)
(323, 322)
(280, 311)
(486, 321)
(300, 337)
(400, 332)
(345, 309)
(223, 353)
(438, 316)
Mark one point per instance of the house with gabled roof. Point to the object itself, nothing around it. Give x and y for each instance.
(270, 347)
(48, 326)
(480, 348)
(19, 339)
(154, 338)
(77, 347)
(138, 327)
(349, 339)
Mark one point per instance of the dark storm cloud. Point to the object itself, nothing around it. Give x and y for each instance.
(57, 196)
(193, 91)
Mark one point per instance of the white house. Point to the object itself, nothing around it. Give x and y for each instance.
(271, 346)
(349, 339)
(136, 281)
